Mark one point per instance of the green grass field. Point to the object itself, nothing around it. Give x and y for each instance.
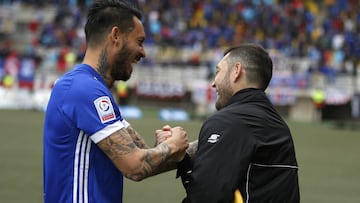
(329, 161)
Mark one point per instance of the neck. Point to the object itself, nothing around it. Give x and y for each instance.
(109, 83)
(91, 58)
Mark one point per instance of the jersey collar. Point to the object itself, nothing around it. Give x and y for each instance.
(93, 72)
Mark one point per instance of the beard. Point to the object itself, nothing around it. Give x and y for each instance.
(224, 92)
(120, 69)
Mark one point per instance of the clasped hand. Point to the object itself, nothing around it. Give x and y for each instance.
(176, 138)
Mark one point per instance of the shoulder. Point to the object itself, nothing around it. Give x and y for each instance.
(79, 83)
(217, 119)
(230, 121)
(227, 115)
(221, 122)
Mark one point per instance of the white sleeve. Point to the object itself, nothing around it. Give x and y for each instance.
(108, 130)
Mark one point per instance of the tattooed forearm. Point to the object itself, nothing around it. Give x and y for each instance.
(164, 163)
(191, 150)
(138, 140)
(172, 164)
(116, 146)
(153, 162)
(133, 162)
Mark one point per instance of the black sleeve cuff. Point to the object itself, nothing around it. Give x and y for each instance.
(184, 166)
(184, 169)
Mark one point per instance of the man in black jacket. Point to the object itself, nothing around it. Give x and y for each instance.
(245, 145)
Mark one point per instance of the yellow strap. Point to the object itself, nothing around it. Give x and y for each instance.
(237, 197)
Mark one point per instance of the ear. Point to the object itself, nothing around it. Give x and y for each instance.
(115, 35)
(239, 71)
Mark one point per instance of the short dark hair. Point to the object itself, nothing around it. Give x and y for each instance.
(104, 14)
(256, 61)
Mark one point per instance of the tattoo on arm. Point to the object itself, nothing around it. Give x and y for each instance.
(138, 140)
(116, 146)
(172, 164)
(153, 161)
(191, 150)
(165, 163)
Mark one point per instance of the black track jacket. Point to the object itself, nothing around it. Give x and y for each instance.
(245, 145)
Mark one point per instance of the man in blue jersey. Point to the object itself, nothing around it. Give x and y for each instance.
(88, 146)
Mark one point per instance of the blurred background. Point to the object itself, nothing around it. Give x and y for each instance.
(315, 47)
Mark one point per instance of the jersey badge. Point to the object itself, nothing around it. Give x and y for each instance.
(104, 109)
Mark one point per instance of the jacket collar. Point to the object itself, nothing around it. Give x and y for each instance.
(246, 95)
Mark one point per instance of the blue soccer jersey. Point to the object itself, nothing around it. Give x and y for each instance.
(80, 113)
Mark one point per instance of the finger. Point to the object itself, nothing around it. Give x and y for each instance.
(162, 139)
(166, 127)
(179, 128)
(163, 135)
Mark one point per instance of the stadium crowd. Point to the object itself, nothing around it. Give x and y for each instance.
(193, 32)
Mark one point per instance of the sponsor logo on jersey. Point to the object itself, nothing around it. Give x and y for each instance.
(105, 109)
(213, 138)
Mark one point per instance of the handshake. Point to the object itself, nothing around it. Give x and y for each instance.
(175, 138)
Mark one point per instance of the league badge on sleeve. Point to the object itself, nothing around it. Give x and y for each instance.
(105, 109)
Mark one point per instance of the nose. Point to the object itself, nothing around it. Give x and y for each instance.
(142, 52)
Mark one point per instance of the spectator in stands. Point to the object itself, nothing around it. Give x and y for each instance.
(327, 29)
